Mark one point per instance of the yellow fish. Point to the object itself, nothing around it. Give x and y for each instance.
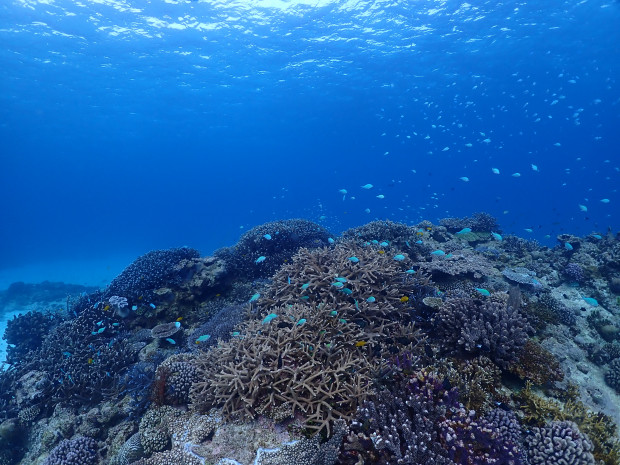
(179, 318)
(360, 344)
(381, 251)
(107, 307)
(90, 361)
(404, 299)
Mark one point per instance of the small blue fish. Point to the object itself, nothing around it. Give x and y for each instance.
(497, 237)
(66, 354)
(367, 186)
(483, 292)
(134, 307)
(152, 306)
(288, 280)
(341, 279)
(410, 271)
(99, 323)
(399, 257)
(464, 231)
(338, 284)
(204, 337)
(342, 320)
(305, 286)
(357, 307)
(371, 299)
(171, 341)
(260, 259)
(374, 241)
(267, 236)
(177, 324)
(384, 244)
(347, 291)
(330, 240)
(269, 317)
(597, 236)
(333, 313)
(419, 241)
(301, 322)
(440, 253)
(255, 297)
(591, 301)
(101, 330)
(568, 246)
(354, 259)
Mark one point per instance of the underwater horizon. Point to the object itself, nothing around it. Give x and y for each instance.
(309, 232)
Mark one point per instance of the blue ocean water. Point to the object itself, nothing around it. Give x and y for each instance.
(130, 125)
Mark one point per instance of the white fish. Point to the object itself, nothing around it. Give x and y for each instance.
(367, 186)
(469, 145)
(516, 175)
(534, 167)
(605, 200)
(445, 149)
(495, 170)
(380, 196)
(583, 208)
(367, 210)
(260, 259)
(464, 178)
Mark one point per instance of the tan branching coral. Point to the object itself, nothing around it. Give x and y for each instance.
(302, 361)
(362, 283)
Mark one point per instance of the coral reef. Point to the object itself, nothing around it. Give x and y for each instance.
(612, 377)
(409, 343)
(25, 333)
(477, 222)
(77, 451)
(263, 249)
(490, 328)
(298, 360)
(149, 272)
(569, 445)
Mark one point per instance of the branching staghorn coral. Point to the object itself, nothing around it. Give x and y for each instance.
(303, 361)
(362, 283)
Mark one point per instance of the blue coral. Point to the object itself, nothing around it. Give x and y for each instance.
(150, 272)
(285, 238)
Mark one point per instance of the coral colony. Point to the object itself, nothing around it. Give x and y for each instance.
(389, 344)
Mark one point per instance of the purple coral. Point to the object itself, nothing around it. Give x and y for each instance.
(80, 450)
(574, 272)
(559, 442)
(483, 327)
(405, 425)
